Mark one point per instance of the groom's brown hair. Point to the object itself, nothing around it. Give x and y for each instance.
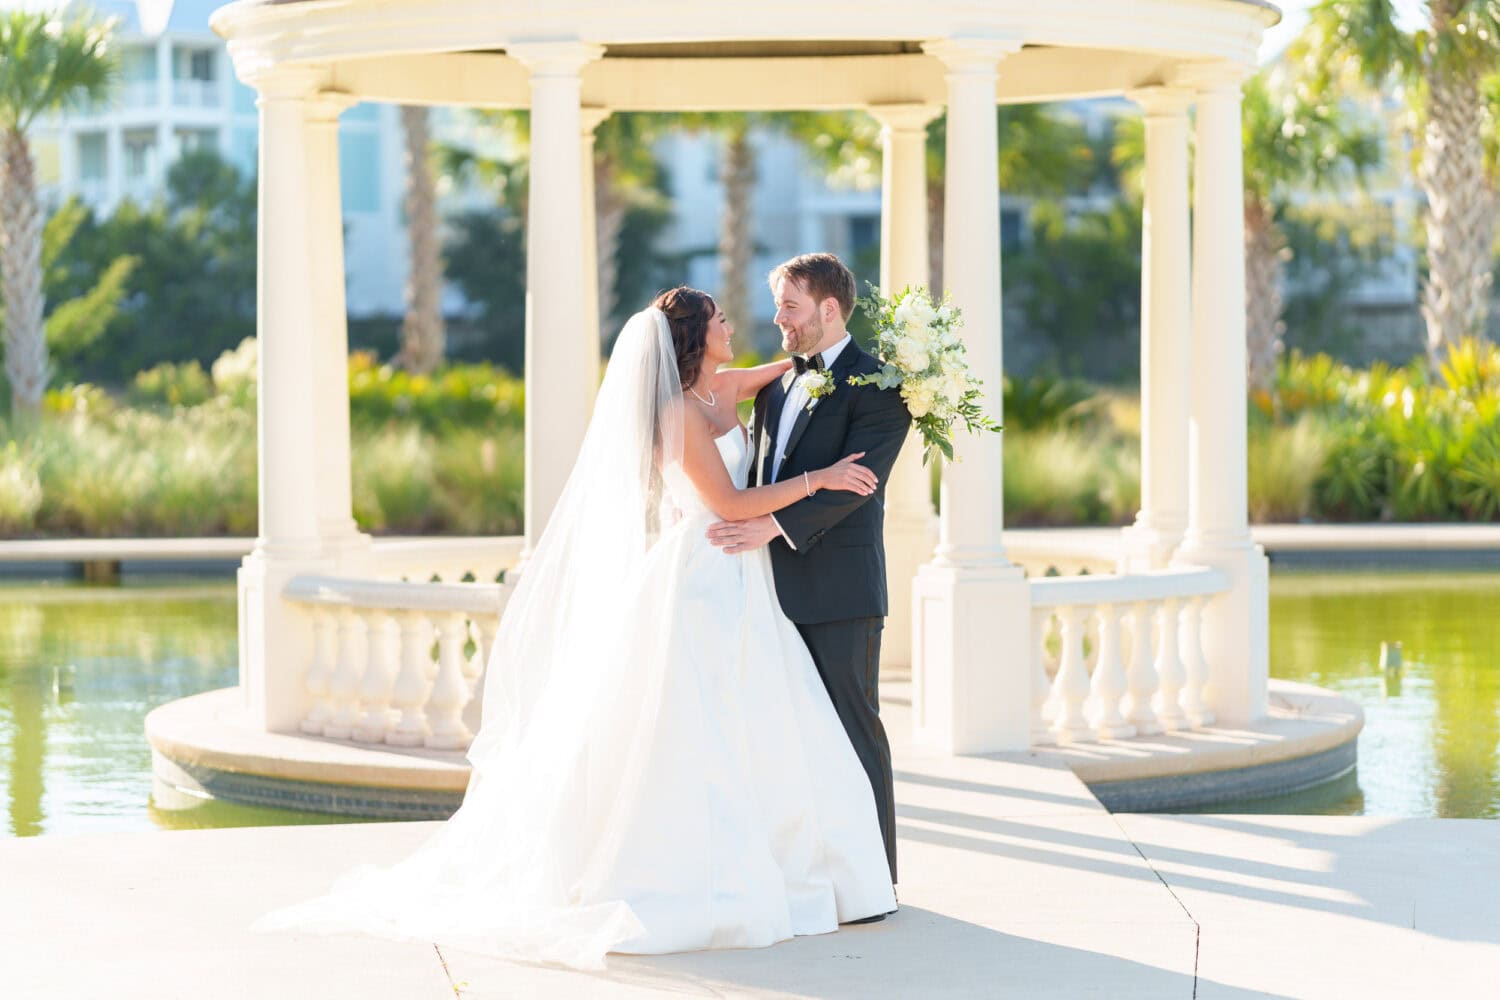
(821, 275)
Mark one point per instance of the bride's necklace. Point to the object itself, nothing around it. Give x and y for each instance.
(712, 400)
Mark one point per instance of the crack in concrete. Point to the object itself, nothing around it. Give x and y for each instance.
(1197, 927)
(446, 974)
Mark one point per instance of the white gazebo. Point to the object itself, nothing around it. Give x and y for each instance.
(334, 639)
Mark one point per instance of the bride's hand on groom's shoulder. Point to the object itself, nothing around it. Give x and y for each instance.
(735, 537)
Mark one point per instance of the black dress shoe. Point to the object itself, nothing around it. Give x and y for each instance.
(877, 918)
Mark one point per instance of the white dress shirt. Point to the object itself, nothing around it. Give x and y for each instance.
(797, 399)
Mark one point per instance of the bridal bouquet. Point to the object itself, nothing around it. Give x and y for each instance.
(920, 352)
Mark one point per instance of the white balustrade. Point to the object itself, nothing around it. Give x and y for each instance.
(413, 681)
(1109, 683)
(373, 678)
(1043, 707)
(380, 677)
(1141, 672)
(1170, 675)
(1141, 686)
(1194, 664)
(325, 657)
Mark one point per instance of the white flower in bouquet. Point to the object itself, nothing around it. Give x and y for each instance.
(911, 354)
(921, 354)
(919, 401)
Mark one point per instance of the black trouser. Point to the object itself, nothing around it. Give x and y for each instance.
(847, 655)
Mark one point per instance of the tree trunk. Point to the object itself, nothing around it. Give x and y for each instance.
(609, 219)
(1460, 216)
(935, 195)
(422, 334)
(736, 245)
(26, 364)
(1265, 255)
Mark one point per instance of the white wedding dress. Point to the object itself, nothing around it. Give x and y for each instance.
(677, 780)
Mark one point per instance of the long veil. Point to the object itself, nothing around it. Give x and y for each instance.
(569, 710)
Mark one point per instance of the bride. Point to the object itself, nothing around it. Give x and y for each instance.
(659, 767)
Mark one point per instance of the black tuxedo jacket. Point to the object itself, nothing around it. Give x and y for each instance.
(837, 569)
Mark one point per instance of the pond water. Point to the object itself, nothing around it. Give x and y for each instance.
(81, 666)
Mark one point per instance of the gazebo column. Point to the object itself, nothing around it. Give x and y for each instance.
(1166, 332)
(325, 234)
(590, 119)
(910, 528)
(971, 606)
(561, 375)
(1235, 625)
(275, 639)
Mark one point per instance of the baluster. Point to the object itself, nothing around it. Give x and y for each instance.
(450, 692)
(1109, 681)
(1042, 707)
(344, 688)
(1193, 704)
(1141, 677)
(484, 627)
(409, 696)
(325, 654)
(380, 676)
(1169, 670)
(1072, 683)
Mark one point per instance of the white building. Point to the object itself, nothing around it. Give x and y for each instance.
(177, 93)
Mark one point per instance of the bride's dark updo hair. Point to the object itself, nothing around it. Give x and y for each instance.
(688, 313)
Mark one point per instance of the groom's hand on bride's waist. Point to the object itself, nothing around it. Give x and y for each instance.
(743, 536)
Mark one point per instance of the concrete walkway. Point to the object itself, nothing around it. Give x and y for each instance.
(1015, 883)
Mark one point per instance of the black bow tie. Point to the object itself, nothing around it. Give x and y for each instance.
(801, 365)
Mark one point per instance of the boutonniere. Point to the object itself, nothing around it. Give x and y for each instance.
(817, 384)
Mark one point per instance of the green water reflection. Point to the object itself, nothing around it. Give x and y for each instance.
(1431, 742)
(80, 667)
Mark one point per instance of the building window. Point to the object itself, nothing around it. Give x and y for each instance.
(194, 140)
(1010, 227)
(93, 157)
(138, 77)
(140, 155)
(194, 79)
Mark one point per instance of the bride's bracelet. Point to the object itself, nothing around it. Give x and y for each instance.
(807, 483)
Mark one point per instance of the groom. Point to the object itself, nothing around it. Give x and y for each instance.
(828, 551)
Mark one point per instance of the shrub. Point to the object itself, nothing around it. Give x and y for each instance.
(20, 490)
(184, 384)
(1284, 466)
(1058, 477)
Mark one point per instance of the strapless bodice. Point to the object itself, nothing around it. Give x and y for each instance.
(734, 449)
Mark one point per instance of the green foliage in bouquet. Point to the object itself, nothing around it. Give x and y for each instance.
(922, 355)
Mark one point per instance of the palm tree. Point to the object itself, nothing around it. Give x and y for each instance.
(1444, 69)
(625, 176)
(737, 177)
(1292, 144)
(422, 334)
(49, 60)
(1041, 154)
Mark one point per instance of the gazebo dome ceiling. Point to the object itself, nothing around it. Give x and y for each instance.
(654, 54)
